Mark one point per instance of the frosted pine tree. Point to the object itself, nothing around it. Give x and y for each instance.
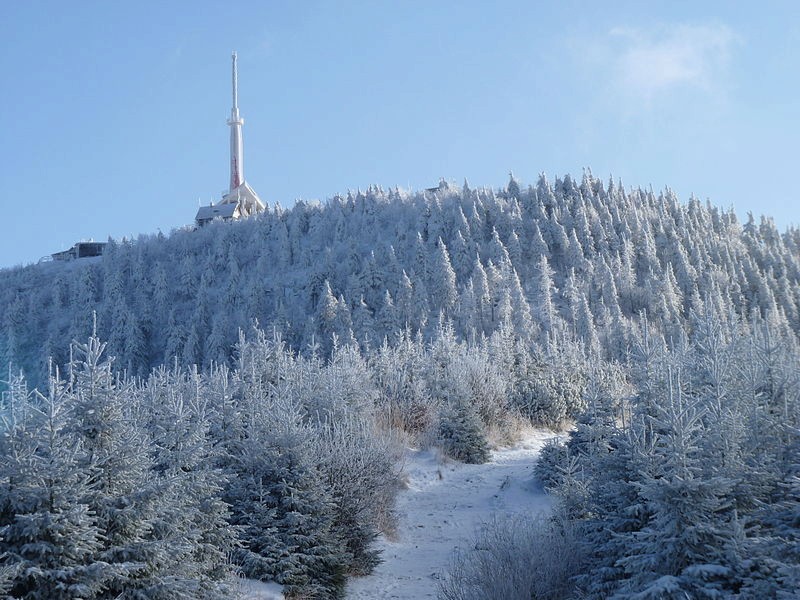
(460, 433)
(386, 318)
(543, 309)
(483, 298)
(286, 520)
(442, 278)
(405, 299)
(327, 309)
(49, 536)
(142, 522)
(686, 549)
(177, 412)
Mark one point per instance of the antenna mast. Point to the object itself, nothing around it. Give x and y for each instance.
(235, 83)
(236, 122)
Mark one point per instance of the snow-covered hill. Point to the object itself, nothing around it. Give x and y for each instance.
(566, 257)
(317, 341)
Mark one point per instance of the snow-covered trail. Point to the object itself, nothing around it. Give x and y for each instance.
(441, 510)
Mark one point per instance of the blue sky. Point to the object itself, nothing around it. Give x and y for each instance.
(113, 114)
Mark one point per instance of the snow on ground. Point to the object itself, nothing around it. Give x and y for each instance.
(258, 590)
(443, 507)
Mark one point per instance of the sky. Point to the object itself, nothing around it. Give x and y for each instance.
(113, 114)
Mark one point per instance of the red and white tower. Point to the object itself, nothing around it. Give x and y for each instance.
(240, 200)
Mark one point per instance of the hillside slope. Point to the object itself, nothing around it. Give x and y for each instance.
(565, 258)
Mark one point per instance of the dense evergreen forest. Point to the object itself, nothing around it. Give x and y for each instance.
(247, 388)
(568, 258)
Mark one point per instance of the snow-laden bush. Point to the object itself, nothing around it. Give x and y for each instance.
(550, 394)
(360, 468)
(479, 381)
(518, 558)
(398, 372)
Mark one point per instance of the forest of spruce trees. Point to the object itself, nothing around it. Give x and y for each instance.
(235, 399)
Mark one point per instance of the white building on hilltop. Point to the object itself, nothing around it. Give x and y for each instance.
(241, 200)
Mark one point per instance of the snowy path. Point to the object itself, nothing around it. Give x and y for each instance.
(441, 510)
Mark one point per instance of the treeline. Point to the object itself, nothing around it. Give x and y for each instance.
(569, 258)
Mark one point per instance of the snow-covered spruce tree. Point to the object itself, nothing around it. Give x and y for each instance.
(771, 568)
(782, 521)
(613, 511)
(442, 282)
(125, 499)
(279, 499)
(596, 477)
(49, 536)
(286, 517)
(148, 525)
(460, 433)
(771, 450)
(547, 471)
(176, 411)
(687, 547)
